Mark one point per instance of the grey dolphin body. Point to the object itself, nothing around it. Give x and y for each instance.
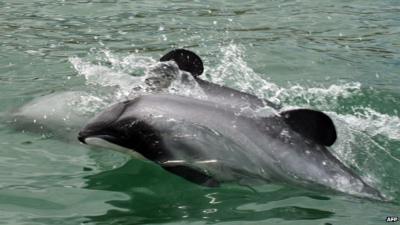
(209, 143)
(59, 114)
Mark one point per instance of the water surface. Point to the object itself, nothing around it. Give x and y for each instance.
(340, 57)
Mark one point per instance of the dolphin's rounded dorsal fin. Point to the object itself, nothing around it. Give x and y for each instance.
(312, 124)
(186, 60)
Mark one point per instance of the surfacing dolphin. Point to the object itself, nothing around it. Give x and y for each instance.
(209, 143)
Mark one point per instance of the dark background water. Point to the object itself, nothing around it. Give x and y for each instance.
(341, 57)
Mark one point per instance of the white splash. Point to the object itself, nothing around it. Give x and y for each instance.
(233, 71)
(135, 75)
(374, 123)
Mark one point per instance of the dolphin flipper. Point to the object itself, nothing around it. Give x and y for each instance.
(192, 175)
(311, 124)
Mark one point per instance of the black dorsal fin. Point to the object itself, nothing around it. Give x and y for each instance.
(186, 60)
(312, 124)
(192, 175)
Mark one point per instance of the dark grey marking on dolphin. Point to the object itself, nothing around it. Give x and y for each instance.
(209, 143)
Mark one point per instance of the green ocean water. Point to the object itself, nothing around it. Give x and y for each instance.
(340, 57)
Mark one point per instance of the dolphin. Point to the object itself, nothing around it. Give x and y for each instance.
(209, 143)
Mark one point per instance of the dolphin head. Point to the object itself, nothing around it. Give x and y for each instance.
(144, 128)
(115, 128)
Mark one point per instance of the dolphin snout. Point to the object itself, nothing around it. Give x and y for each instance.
(82, 137)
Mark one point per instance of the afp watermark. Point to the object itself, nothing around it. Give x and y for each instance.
(392, 219)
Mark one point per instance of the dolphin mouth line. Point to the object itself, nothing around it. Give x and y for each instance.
(83, 138)
(105, 141)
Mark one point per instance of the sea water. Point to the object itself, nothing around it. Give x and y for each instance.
(341, 57)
